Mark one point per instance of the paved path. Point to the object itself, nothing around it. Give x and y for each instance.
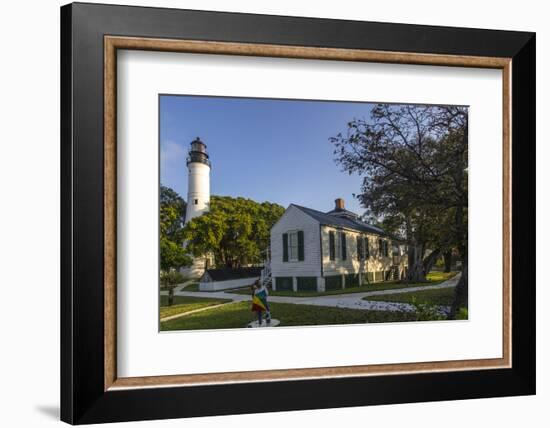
(178, 287)
(351, 300)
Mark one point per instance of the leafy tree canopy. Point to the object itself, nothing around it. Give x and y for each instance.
(414, 161)
(172, 217)
(235, 230)
(172, 207)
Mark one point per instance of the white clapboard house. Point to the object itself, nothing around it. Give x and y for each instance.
(316, 251)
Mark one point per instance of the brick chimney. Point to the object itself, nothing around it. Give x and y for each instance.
(339, 204)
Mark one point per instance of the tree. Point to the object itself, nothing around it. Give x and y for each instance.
(413, 160)
(453, 121)
(172, 212)
(169, 280)
(448, 259)
(235, 230)
(169, 198)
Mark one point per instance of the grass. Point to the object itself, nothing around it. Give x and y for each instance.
(439, 297)
(357, 289)
(184, 304)
(182, 281)
(238, 315)
(194, 286)
(440, 276)
(433, 278)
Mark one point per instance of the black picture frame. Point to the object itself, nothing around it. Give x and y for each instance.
(83, 398)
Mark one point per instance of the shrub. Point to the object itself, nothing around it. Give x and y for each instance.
(462, 313)
(427, 312)
(171, 278)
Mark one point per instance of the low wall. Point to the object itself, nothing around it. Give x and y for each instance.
(226, 285)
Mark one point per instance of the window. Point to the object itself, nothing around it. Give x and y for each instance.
(196, 201)
(362, 247)
(338, 247)
(344, 245)
(383, 248)
(293, 246)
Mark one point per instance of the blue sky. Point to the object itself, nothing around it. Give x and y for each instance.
(262, 149)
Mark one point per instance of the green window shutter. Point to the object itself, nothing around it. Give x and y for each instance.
(301, 245)
(359, 248)
(344, 246)
(367, 251)
(285, 247)
(331, 251)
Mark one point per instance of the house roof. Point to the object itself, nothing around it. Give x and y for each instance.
(226, 274)
(341, 212)
(347, 222)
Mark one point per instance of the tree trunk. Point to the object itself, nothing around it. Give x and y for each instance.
(461, 292)
(447, 256)
(430, 260)
(461, 289)
(416, 267)
(170, 295)
(461, 230)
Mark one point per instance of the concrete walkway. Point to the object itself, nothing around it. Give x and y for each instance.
(350, 301)
(178, 287)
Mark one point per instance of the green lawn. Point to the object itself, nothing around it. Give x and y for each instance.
(433, 279)
(238, 315)
(184, 304)
(195, 287)
(439, 297)
(440, 276)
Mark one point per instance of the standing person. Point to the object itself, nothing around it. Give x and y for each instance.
(259, 302)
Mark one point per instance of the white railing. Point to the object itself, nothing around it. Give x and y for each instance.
(265, 277)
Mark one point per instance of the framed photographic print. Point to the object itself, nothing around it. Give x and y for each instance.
(329, 213)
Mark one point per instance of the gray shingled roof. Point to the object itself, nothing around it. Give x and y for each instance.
(342, 213)
(226, 274)
(333, 220)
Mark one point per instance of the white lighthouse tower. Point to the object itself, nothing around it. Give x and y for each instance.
(198, 191)
(198, 197)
